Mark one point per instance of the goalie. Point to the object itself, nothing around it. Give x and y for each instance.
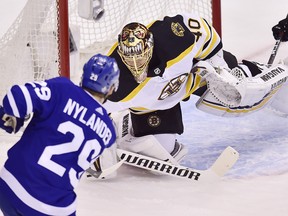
(165, 63)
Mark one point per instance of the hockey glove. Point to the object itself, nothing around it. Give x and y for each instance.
(10, 123)
(280, 31)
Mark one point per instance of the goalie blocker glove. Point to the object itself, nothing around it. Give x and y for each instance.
(280, 31)
(10, 123)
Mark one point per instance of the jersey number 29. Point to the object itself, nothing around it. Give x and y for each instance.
(90, 147)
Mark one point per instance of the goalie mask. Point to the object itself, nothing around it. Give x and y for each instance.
(135, 49)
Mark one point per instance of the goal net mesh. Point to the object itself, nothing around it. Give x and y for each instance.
(29, 50)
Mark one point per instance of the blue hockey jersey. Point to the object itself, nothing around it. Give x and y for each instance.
(68, 131)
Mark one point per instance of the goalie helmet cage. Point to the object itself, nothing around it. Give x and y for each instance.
(37, 45)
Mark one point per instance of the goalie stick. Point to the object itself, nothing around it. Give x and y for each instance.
(274, 52)
(103, 174)
(275, 49)
(220, 167)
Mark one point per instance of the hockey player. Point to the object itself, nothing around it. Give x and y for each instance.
(165, 63)
(68, 131)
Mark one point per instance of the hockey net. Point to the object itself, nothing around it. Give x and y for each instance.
(36, 46)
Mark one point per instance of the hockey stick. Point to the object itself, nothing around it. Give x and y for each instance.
(224, 162)
(274, 52)
(103, 174)
(275, 49)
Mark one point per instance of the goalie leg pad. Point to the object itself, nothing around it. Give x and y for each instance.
(253, 90)
(147, 145)
(160, 146)
(157, 145)
(279, 104)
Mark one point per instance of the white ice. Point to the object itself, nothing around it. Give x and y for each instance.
(256, 185)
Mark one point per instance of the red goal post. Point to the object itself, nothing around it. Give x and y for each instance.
(216, 16)
(37, 45)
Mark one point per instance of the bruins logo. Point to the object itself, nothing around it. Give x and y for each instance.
(177, 29)
(173, 86)
(154, 121)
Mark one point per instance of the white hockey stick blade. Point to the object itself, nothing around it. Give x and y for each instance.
(103, 174)
(224, 162)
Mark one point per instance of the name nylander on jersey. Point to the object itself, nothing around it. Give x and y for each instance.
(69, 129)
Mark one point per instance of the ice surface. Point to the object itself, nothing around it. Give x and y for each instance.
(256, 185)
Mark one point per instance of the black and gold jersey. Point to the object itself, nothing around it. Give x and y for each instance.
(179, 42)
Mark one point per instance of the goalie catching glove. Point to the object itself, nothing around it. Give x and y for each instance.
(233, 88)
(220, 82)
(10, 123)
